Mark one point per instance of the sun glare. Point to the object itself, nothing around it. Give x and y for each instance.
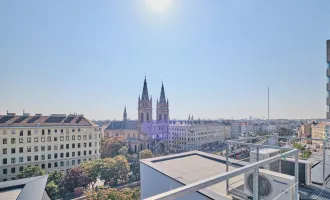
(158, 5)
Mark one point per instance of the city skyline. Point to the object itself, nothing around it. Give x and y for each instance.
(216, 59)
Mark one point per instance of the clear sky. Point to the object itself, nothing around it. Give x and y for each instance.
(216, 57)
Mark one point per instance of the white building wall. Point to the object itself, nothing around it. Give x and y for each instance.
(88, 137)
(153, 182)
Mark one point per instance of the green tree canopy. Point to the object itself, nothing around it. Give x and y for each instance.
(55, 177)
(123, 151)
(146, 154)
(113, 194)
(115, 170)
(31, 171)
(111, 146)
(52, 190)
(93, 170)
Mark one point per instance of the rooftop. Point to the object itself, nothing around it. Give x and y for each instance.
(12, 120)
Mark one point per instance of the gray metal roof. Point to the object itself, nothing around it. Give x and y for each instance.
(123, 125)
(31, 188)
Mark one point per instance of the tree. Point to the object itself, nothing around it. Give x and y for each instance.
(31, 172)
(123, 151)
(55, 177)
(52, 190)
(146, 154)
(74, 179)
(93, 170)
(285, 132)
(111, 146)
(115, 170)
(113, 194)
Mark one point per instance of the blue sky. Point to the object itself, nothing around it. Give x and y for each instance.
(216, 58)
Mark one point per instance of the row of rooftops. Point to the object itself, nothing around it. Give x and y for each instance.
(13, 120)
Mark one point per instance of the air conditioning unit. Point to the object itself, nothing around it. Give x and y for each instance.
(271, 184)
(264, 154)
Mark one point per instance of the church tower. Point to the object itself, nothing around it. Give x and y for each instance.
(162, 107)
(145, 105)
(125, 115)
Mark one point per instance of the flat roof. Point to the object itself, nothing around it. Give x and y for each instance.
(10, 194)
(266, 151)
(193, 166)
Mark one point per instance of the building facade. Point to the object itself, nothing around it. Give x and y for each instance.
(196, 134)
(320, 131)
(328, 76)
(55, 142)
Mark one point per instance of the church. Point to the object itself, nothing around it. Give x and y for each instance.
(144, 133)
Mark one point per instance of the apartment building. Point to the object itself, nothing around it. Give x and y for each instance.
(320, 131)
(194, 135)
(55, 142)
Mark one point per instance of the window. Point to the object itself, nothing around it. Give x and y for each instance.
(13, 140)
(67, 164)
(90, 144)
(4, 140)
(85, 137)
(43, 132)
(42, 166)
(4, 171)
(36, 157)
(43, 157)
(85, 153)
(55, 147)
(49, 165)
(73, 137)
(28, 149)
(67, 154)
(13, 150)
(55, 139)
(20, 140)
(49, 138)
(21, 168)
(67, 146)
(73, 154)
(4, 180)
(85, 145)
(73, 130)
(49, 156)
(90, 136)
(35, 148)
(21, 133)
(62, 146)
(73, 162)
(42, 139)
(62, 163)
(42, 147)
(95, 143)
(95, 151)
(29, 132)
(95, 136)
(49, 131)
(78, 153)
(13, 160)
(13, 170)
(62, 138)
(67, 138)
(55, 130)
(55, 155)
(79, 137)
(21, 150)
(78, 129)
(21, 159)
(79, 161)
(62, 155)
(78, 145)
(49, 147)
(55, 164)
(13, 132)
(73, 145)
(4, 151)
(29, 158)
(4, 161)
(35, 139)
(90, 152)
(29, 140)
(61, 130)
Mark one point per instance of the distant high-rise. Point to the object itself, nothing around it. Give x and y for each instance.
(328, 75)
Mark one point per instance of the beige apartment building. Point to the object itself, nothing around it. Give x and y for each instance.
(55, 142)
(320, 131)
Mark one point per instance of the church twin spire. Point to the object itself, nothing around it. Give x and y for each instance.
(145, 95)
